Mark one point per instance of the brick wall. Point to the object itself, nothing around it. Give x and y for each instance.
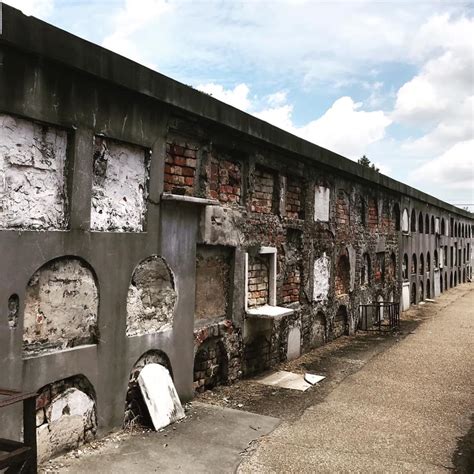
(263, 192)
(290, 290)
(373, 218)
(258, 281)
(294, 199)
(225, 181)
(342, 209)
(180, 168)
(228, 340)
(210, 365)
(343, 275)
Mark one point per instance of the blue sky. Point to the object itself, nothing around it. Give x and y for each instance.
(390, 79)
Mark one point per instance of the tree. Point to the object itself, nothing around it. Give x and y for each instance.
(364, 161)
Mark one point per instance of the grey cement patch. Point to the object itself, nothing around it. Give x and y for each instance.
(210, 440)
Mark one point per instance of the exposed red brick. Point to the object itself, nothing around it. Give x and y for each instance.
(180, 169)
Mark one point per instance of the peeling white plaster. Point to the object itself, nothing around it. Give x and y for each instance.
(32, 175)
(119, 189)
(151, 298)
(61, 307)
(321, 203)
(321, 279)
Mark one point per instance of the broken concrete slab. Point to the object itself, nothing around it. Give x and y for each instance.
(285, 379)
(313, 379)
(160, 395)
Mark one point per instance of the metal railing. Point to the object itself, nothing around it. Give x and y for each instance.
(379, 316)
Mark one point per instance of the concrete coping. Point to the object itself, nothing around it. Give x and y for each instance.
(189, 199)
(269, 312)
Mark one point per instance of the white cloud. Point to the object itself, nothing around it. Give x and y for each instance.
(280, 116)
(344, 128)
(311, 42)
(277, 98)
(237, 97)
(131, 20)
(440, 98)
(347, 129)
(38, 8)
(453, 170)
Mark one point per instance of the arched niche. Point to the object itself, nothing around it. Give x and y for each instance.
(318, 330)
(136, 411)
(413, 294)
(66, 416)
(61, 306)
(343, 274)
(341, 322)
(151, 297)
(211, 365)
(405, 221)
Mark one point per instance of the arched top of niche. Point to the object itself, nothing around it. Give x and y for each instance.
(151, 298)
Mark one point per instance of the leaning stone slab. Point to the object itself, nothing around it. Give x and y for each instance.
(160, 395)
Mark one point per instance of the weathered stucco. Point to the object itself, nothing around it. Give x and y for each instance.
(32, 175)
(151, 298)
(321, 279)
(120, 186)
(213, 264)
(61, 307)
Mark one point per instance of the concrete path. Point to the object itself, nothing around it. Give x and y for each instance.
(402, 412)
(211, 440)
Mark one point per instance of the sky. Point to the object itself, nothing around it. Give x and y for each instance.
(392, 80)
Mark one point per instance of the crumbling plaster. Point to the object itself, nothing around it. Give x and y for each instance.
(120, 186)
(151, 298)
(32, 175)
(61, 307)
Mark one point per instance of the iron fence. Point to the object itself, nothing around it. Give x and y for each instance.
(379, 316)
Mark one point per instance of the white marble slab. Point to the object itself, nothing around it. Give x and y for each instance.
(160, 395)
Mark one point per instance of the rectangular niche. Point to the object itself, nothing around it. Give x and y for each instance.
(321, 203)
(213, 277)
(119, 187)
(264, 189)
(294, 201)
(260, 272)
(321, 277)
(33, 193)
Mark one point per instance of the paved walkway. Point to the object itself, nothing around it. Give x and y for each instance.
(209, 440)
(402, 412)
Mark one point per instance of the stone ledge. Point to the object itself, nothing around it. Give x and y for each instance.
(269, 312)
(189, 199)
